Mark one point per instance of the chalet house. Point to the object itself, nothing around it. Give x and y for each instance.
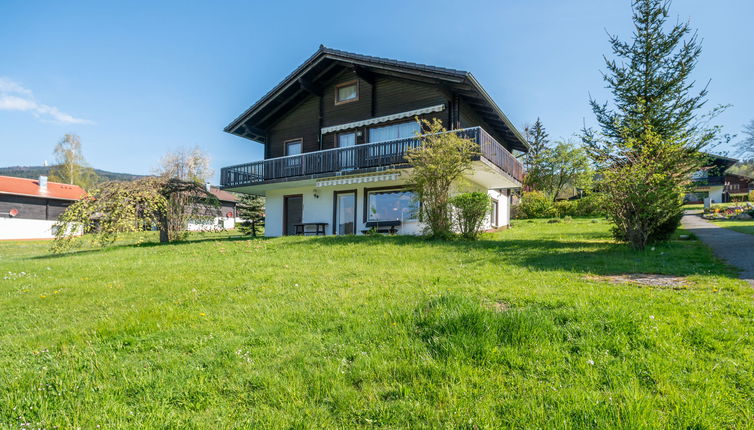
(714, 182)
(335, 135)
(29, 208)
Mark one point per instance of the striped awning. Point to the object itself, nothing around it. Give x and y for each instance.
(357, 180)
(381, 119)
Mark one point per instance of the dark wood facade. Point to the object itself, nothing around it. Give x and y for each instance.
(379, 97)
(28, 207)
(305, 107)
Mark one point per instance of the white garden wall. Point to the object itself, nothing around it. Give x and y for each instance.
(22, 229)
(212, 224)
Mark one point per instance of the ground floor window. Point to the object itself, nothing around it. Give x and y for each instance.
(392, 205)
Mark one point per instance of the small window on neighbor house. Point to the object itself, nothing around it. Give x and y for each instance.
(347, 92)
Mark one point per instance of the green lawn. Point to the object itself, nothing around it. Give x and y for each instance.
(374, 332)
(741, 226)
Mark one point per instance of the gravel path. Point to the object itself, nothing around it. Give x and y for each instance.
(737, 249)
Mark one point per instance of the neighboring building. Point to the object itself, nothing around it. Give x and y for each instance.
(224, 218)
(335, 135)
(29, 208)
(738, 187)
(712, 181)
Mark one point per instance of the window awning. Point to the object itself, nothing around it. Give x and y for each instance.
(381, 119)
(357, 180)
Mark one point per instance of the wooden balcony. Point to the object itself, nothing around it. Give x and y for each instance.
(360, 158)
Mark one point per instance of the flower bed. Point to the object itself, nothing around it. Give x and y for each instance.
(744, 211)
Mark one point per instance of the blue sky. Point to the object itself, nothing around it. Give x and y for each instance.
(137, 79)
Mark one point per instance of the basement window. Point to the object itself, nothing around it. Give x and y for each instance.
(346, 92)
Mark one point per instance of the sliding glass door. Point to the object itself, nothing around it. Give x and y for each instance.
(345, 212)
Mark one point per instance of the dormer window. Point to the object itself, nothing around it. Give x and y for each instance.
(346, 92)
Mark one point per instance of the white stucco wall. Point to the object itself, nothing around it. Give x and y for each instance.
(716, 194)
(320, 209)
(503, 210)
(209, 225)
(20, 229)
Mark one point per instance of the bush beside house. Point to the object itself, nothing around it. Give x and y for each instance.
(535, 204)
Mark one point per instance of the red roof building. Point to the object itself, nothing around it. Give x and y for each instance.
(32, 188)
(29, 208)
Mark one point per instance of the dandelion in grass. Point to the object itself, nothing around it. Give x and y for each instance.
(202, 314)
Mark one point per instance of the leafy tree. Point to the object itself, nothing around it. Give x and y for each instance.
(533, 160)
(438, 163)
(115, 208)
(251, 210)
(654, 105)
(70, 166)
(189, 166)
(563, 165)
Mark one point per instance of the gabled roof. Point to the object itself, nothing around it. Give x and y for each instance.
(324, 65)
(720, 162)
(30, 187)
(223, 195)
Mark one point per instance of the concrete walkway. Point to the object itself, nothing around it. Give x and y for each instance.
(737, 249)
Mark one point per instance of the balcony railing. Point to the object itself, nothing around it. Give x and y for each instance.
(359, 157)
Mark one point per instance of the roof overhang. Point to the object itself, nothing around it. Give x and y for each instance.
(326, 63)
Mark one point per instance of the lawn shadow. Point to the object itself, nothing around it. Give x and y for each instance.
(590, 253)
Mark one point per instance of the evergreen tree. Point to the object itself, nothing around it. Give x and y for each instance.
(70, 166)
(651, 134)
(650, 81)
(251, 211)
(538, 140)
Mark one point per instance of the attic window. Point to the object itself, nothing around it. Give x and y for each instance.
(346, 92)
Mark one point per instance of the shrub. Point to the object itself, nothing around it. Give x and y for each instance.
(566, 208)
(470, 211)
(645, 185)
(661, 233)
(590, 205)
(535, 204)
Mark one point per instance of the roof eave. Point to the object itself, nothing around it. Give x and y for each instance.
(497, 109)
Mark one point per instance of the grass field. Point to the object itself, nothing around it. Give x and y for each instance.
(374, 332)
(740, 226)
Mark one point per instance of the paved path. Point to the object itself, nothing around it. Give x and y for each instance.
(737, 249)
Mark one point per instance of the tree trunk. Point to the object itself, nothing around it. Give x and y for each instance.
(164, 238)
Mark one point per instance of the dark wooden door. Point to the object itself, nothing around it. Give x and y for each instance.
(293, 209)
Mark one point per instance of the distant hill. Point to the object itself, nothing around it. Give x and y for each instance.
(34, 172)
